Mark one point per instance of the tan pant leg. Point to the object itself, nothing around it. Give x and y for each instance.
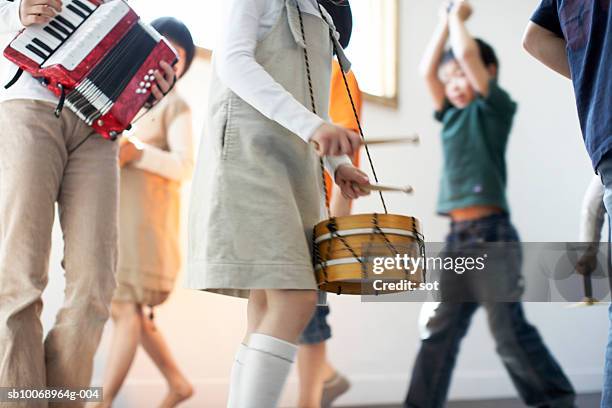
(88, 205)
(32, 157)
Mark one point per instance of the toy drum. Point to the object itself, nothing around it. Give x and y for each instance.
(346, 251)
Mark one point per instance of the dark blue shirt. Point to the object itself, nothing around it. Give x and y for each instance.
(586, 25)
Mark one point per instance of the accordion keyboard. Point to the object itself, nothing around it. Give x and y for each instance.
(40, 42)
(72, 52)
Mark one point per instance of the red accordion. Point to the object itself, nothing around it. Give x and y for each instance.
(99, 58)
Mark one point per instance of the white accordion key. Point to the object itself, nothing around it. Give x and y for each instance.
(93, 30)
(41, 41)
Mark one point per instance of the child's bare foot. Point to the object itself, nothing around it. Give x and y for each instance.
(179, 392)
(333, 388)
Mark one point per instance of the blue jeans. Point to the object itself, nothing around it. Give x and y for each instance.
(317, 330)
(606, 399)
(605, 171)
(533, 370)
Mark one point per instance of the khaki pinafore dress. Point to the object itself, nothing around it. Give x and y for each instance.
(257, 191)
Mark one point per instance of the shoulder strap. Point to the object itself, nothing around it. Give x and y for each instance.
(344, 69)
(313, 104)
(337, 51)
(15, 79)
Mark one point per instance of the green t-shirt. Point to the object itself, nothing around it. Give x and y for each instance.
(474, 143)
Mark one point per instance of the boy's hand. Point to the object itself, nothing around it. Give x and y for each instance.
(445, 8)
(128, 153)
(349, 178)
(165, 82)
(587, 263)
(38, 11)
(332, 140)
(462, 9)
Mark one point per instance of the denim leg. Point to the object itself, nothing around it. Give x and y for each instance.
(606, 400)
(317, 330)
(605, 171)
(536, 375)
(440, 340)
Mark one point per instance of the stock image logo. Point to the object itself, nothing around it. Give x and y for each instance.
(488, 272)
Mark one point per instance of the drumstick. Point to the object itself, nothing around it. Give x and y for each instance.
(588, 300)
(587, 303)
(380, 187)
(414, 139)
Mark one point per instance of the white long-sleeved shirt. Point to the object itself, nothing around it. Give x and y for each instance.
(593, 212)
(177, 163)
(27, 87)
(169, 121)
(237, 68)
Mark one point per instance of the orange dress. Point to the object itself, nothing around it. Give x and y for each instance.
(340, 109)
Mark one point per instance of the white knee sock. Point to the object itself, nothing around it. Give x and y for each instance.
(237, 368)
(267, 363)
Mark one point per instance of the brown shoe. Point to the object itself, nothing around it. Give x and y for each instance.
(333, 388)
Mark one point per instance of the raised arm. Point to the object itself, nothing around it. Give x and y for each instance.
(430, 63)
(548, 48)
(466, 49)
(593, 212)
(591, 222)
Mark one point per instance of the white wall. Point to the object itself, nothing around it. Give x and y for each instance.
(375, 344)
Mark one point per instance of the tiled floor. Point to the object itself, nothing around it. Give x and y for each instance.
(584, 401)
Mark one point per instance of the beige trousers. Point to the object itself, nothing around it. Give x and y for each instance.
(38, 169)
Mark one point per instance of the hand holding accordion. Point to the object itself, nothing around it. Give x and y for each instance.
(38, 11)
(100, 59)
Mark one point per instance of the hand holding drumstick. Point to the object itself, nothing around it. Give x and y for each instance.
(322, 148)
(359, 184)
(382, 188)
(332, 140)
(352, 181)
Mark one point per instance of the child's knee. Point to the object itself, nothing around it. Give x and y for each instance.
(258, 300)
(293, 301)
(311, 299)
(122, 310)
(306, 303)
(148, 324)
